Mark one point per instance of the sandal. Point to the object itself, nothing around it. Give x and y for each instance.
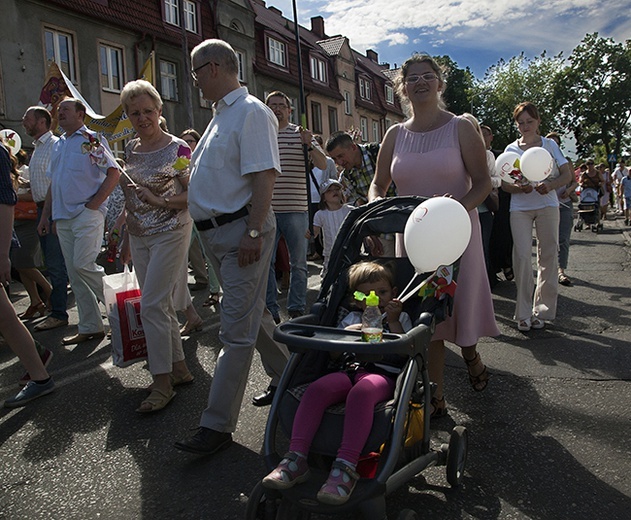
(157, 400)
(536, 323)
(480, 381)
(523, 325)
(34, 311)
(338, 487)
(509, 274)
(439, 408)
(186, 379)
(212, 300)
(189, 328)
(564, 280)
(292, 470)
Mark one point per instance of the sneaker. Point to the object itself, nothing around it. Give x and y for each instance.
(292, 470)
(45, 357)
(31, 391)
(338, 487)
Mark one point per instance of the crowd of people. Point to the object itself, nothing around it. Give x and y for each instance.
(221, 202)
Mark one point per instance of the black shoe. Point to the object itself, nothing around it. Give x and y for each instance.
(266, 398)
(205, 442)
(276, 318)
(295, 314)
(197, 286)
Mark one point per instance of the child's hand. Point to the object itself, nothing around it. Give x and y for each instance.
(393, 310)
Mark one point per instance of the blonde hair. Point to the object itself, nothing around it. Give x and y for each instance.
(136, 88)
(399, 81)
(368, 272)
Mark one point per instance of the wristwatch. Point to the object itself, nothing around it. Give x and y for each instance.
(254, 233)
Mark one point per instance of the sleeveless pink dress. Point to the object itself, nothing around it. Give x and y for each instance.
(429, 164)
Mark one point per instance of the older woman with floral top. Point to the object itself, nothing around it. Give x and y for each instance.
(159, 227)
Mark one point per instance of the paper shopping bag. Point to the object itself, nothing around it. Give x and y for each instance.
(122, 299)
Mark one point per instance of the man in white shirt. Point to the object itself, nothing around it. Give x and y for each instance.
(83, 173)
(233, 171)
(619, 173)
(36, 121)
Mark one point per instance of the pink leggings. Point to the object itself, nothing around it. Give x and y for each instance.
(361, 396)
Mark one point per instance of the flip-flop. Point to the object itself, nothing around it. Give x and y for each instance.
(212, 300)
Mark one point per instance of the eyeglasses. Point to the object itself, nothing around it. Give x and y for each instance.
(147, 112)
(196, 69)
(277, 105)
(414, 78)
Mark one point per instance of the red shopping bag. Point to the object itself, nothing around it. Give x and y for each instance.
(122, 299)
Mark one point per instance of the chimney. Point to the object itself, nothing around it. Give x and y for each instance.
(317, 26)
(372, 55)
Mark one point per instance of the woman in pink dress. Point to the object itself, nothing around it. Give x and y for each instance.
(435, 153)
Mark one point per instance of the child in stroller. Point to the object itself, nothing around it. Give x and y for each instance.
(588, 207)
(395, 450)
(361, 385)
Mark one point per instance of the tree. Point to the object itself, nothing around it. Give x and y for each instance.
(459, 82)
(593, 94)
(509, 83)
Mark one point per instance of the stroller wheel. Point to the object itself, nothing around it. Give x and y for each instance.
(457, 455)
(260, 506)
(407, 514)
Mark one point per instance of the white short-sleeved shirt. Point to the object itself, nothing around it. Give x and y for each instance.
(75, 176)
(239, 140)
(534, 200)
(330, 222)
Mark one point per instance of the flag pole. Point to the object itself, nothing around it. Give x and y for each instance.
(303, 115)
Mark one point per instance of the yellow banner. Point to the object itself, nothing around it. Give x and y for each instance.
(114, 126)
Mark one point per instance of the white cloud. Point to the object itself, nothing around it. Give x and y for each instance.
(472, 25)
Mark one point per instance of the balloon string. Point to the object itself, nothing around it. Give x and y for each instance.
(409, 283)
(414, 291)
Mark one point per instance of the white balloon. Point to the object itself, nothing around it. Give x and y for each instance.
(507, 166)
(536, 164)
(11, 139)
(437, 233)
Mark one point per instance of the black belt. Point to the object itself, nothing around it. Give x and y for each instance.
(220, 220)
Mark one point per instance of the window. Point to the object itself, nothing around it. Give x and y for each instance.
(168, 80)
(318, 69)
(111, 68)
(388, 122)
(364, 88)
(375, 131)
(363, 126)
(347, 103)
(316, 118)
(276, 52)
(390, 94)
(241, 60)
(333, 120)
(60, 49)
(172, 13)
(118, 148)
(190, 16)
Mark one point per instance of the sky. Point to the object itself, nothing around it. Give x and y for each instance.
(474, 33)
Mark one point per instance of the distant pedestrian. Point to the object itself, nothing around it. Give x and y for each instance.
(626, 192)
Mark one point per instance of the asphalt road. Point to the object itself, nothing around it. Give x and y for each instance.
(549, 438)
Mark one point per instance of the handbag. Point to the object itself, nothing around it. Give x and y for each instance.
(492, 201)
(122, 301)
(25, 210)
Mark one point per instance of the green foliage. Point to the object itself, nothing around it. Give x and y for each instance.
(507, 84)
(459, 82)
(593, 94)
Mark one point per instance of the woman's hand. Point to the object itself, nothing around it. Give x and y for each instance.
(145, 195)
(543, 187)
(525, 188)
(125, 250)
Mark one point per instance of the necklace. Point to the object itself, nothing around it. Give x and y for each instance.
(428, 127)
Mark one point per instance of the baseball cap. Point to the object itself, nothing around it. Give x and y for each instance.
(324, 187)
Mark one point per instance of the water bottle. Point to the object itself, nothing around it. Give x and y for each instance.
(372, 322)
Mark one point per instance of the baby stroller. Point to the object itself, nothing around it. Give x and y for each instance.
(589, 210)
(311, 339)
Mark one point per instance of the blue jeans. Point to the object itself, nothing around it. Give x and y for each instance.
(293, 227)
(56, 268)
(566, 221)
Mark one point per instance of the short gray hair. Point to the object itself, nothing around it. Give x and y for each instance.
(136, 88)
(217, 51)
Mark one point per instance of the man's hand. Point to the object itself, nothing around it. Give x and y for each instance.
(43, 228)
(306, 136)
(5, 270)
(249, 250)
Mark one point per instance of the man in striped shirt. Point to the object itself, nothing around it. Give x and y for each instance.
(290, 204)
